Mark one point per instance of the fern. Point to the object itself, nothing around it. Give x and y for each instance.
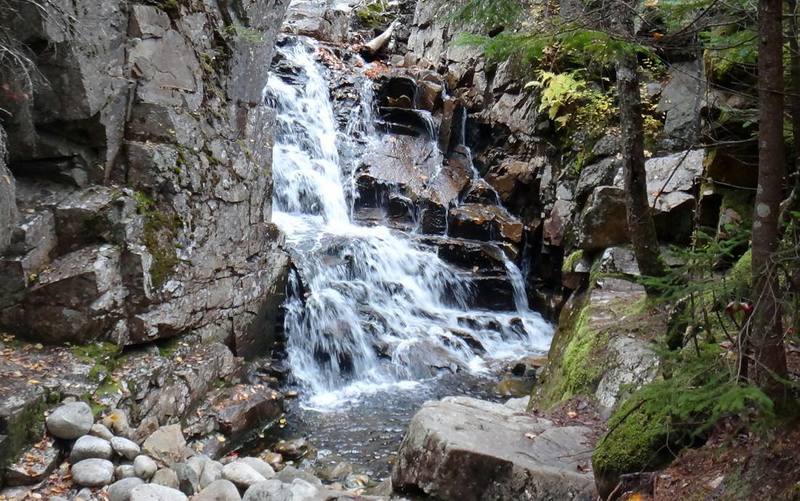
(488, 14)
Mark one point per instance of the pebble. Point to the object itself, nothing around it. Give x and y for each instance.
(144, 467)
(241, 474)
(121, 489)
(117, 421)
(70, 421)
(125, 448)
(166, 477)
(212, 471)
(83, 495)
(125, 471)
(89, 446)
(93, 472)
(262, 467)
(188, 480)
(268, 491)
(197, 463)
(273, 459)
(293, 449)
(219, 490)
(100, 431)
(166, 444)
(152, 492)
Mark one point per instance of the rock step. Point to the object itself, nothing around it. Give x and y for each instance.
(468, 449)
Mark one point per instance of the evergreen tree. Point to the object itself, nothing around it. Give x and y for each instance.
(766, 333)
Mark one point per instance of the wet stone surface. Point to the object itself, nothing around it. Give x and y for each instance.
(366, 433)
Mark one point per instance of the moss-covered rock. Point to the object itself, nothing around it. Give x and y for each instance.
(601, 345)
(638, 440)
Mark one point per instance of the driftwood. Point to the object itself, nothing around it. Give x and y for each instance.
(380, 42)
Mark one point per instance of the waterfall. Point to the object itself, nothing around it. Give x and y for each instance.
(369, 308)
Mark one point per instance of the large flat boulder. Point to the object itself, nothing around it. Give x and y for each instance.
(467, 449)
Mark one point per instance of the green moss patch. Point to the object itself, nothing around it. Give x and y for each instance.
(160, 235)
(571, 261)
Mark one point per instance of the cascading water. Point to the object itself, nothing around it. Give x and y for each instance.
(370, 307)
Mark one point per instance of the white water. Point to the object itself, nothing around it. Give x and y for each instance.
(375, 311)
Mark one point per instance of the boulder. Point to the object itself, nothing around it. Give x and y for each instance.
(601, 346)
(30, 250)
(166, 444)
(517, 183)
(242, 408)
(682, 100)
(121, 489)
(77, 299)
(117, 421)
(326, 20)
(619, 260)
(672, 182)
(554, 229)
(463, 448)
(70, 421)
(34, 464)
(480, 192)
(487, 223)
(633, 364)
(90, 447)
(93, 472)
(602, 173)
(8, 204)
(604, 221)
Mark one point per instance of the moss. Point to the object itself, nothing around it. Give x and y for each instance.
(636, 441)
(168, 347)
(243, 33)
(159, 236)
(22, 429)
(740, 276)
(740, 202)
(571, 261)
(576, 357)
(103, 356)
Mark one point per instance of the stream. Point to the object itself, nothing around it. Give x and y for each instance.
(376, 323)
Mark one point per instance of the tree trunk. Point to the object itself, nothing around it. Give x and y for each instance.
(793, 202)
(766, 330)
(794, 94)
(640, 219)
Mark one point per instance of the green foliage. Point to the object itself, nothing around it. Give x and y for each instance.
(572, 103)
(489, 14)
(668, 414)
(729, 47)
(374, 13)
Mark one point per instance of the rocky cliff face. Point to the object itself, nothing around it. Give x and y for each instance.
(141, 157)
